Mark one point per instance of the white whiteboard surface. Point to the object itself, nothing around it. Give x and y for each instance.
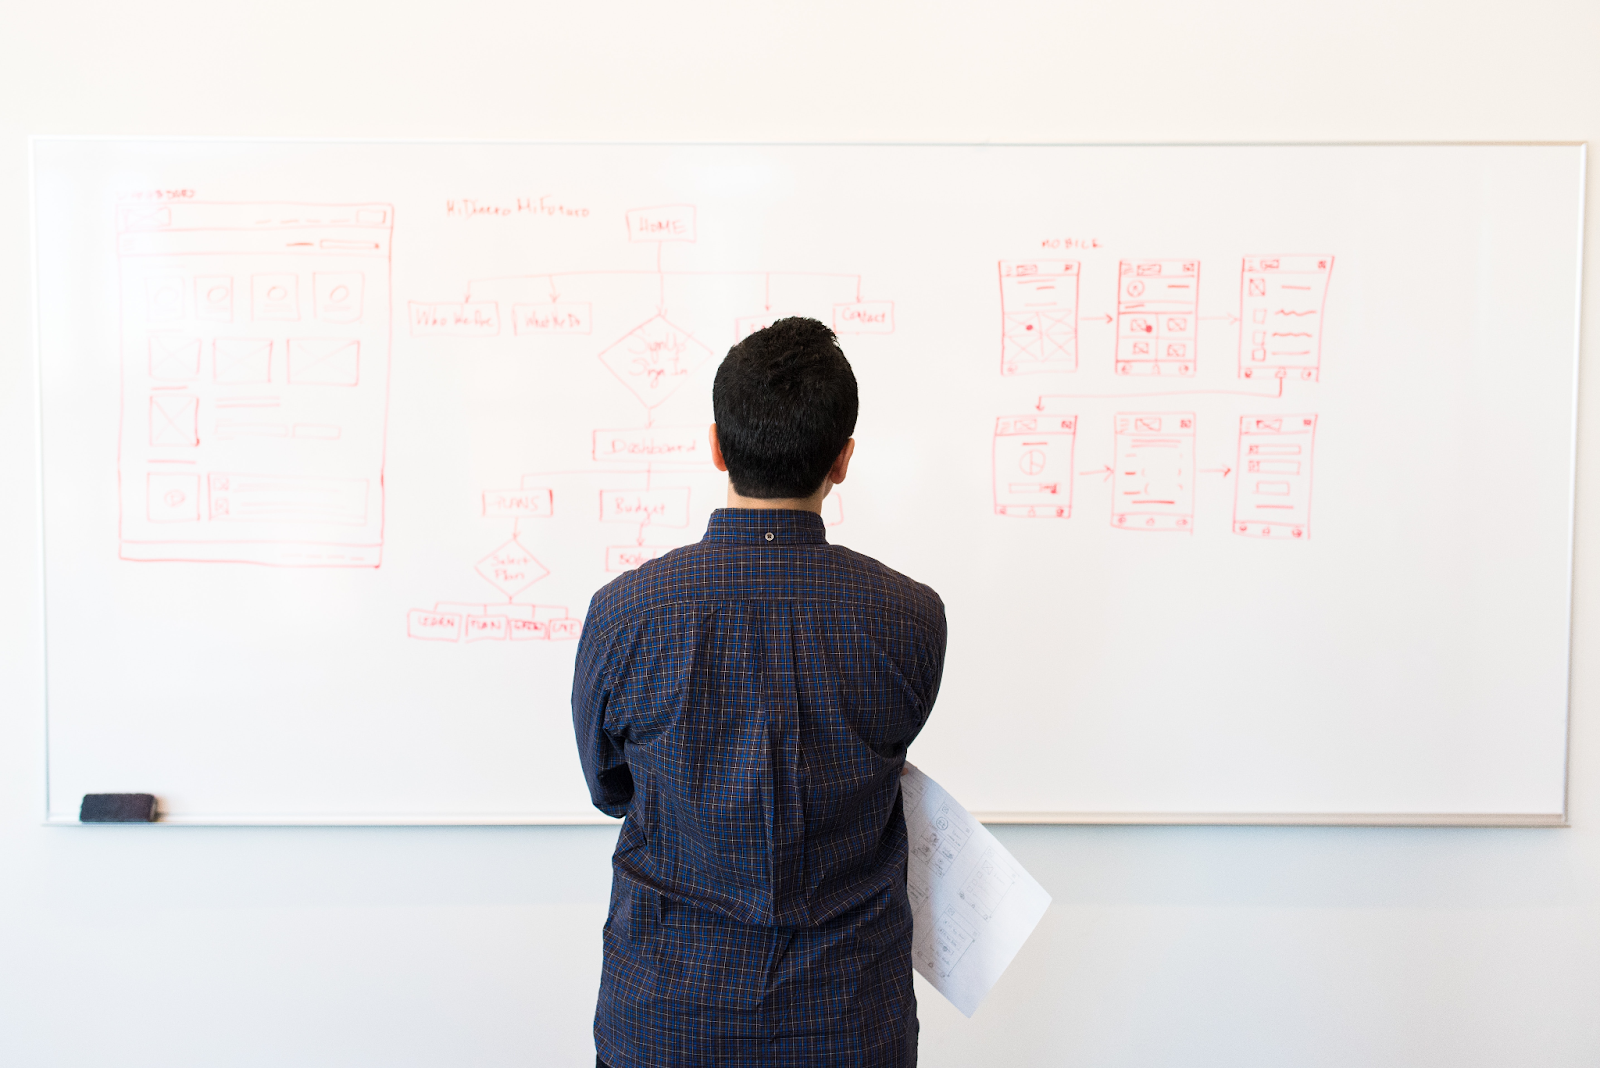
(339, 438)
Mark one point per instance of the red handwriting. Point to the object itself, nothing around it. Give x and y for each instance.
(541, 206)
(447, 622)
(684, 443)
(864, 317)
(552, 318)
(664, 507)
(628, 557)
(512, 568)
(433, 626)
(666, 222)
(480, 319)
(653, 359)
(511, 504)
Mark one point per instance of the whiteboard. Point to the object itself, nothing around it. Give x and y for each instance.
(1245, 472)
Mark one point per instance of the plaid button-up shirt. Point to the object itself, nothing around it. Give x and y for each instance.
(746, 702)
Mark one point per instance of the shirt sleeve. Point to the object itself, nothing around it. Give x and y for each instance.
(933, 675)
(605, 764)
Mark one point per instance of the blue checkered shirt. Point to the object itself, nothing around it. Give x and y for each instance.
(745, 703)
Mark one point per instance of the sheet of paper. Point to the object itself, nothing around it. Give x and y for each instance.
(972, 904)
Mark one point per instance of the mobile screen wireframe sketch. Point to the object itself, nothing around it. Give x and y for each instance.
(255, 363)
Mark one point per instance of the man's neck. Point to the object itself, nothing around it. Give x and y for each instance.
(812, 503)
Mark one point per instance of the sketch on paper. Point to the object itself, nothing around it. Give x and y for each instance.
(972, 904)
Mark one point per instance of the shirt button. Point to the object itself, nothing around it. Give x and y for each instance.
(769, 535)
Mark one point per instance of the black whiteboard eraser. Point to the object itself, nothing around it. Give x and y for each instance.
(117, 808)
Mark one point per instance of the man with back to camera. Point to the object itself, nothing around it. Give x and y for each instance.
(746, 703)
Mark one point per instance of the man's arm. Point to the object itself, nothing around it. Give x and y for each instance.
(605, 765)
(933, 667)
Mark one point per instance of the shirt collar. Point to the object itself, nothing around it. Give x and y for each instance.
(766, 526)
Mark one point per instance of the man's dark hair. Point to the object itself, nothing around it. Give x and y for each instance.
(785, 404)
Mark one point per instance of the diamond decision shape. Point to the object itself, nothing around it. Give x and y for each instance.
(654, 359)
(512, 568)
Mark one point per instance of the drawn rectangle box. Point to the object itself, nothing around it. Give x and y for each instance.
(241, 360)
(664, 222)
(323, 361)
(163, 294)
(459, 319)
(1033, 457)
(454, 621)
(429, 625)
(1154, 476)
(213, 298)
(174, 357)
(527, 630)
(275, 297)
(1158, 317)
(667, 507)
(337, 295)
(529, 503)
(1039, 316)
(662, 444)
(1272, 487)
(864, 317)
(174, 420)
(551, 318)
(628, 557)
(1281, 306)
(484, 628)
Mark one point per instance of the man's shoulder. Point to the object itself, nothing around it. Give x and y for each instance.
(706, 572)
(645, 587)
(873, 576)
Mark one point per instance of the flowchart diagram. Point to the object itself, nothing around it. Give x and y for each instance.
(1154, 465)
(647, 478)
(255, 364)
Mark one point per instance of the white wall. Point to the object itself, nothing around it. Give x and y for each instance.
(186, 947)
